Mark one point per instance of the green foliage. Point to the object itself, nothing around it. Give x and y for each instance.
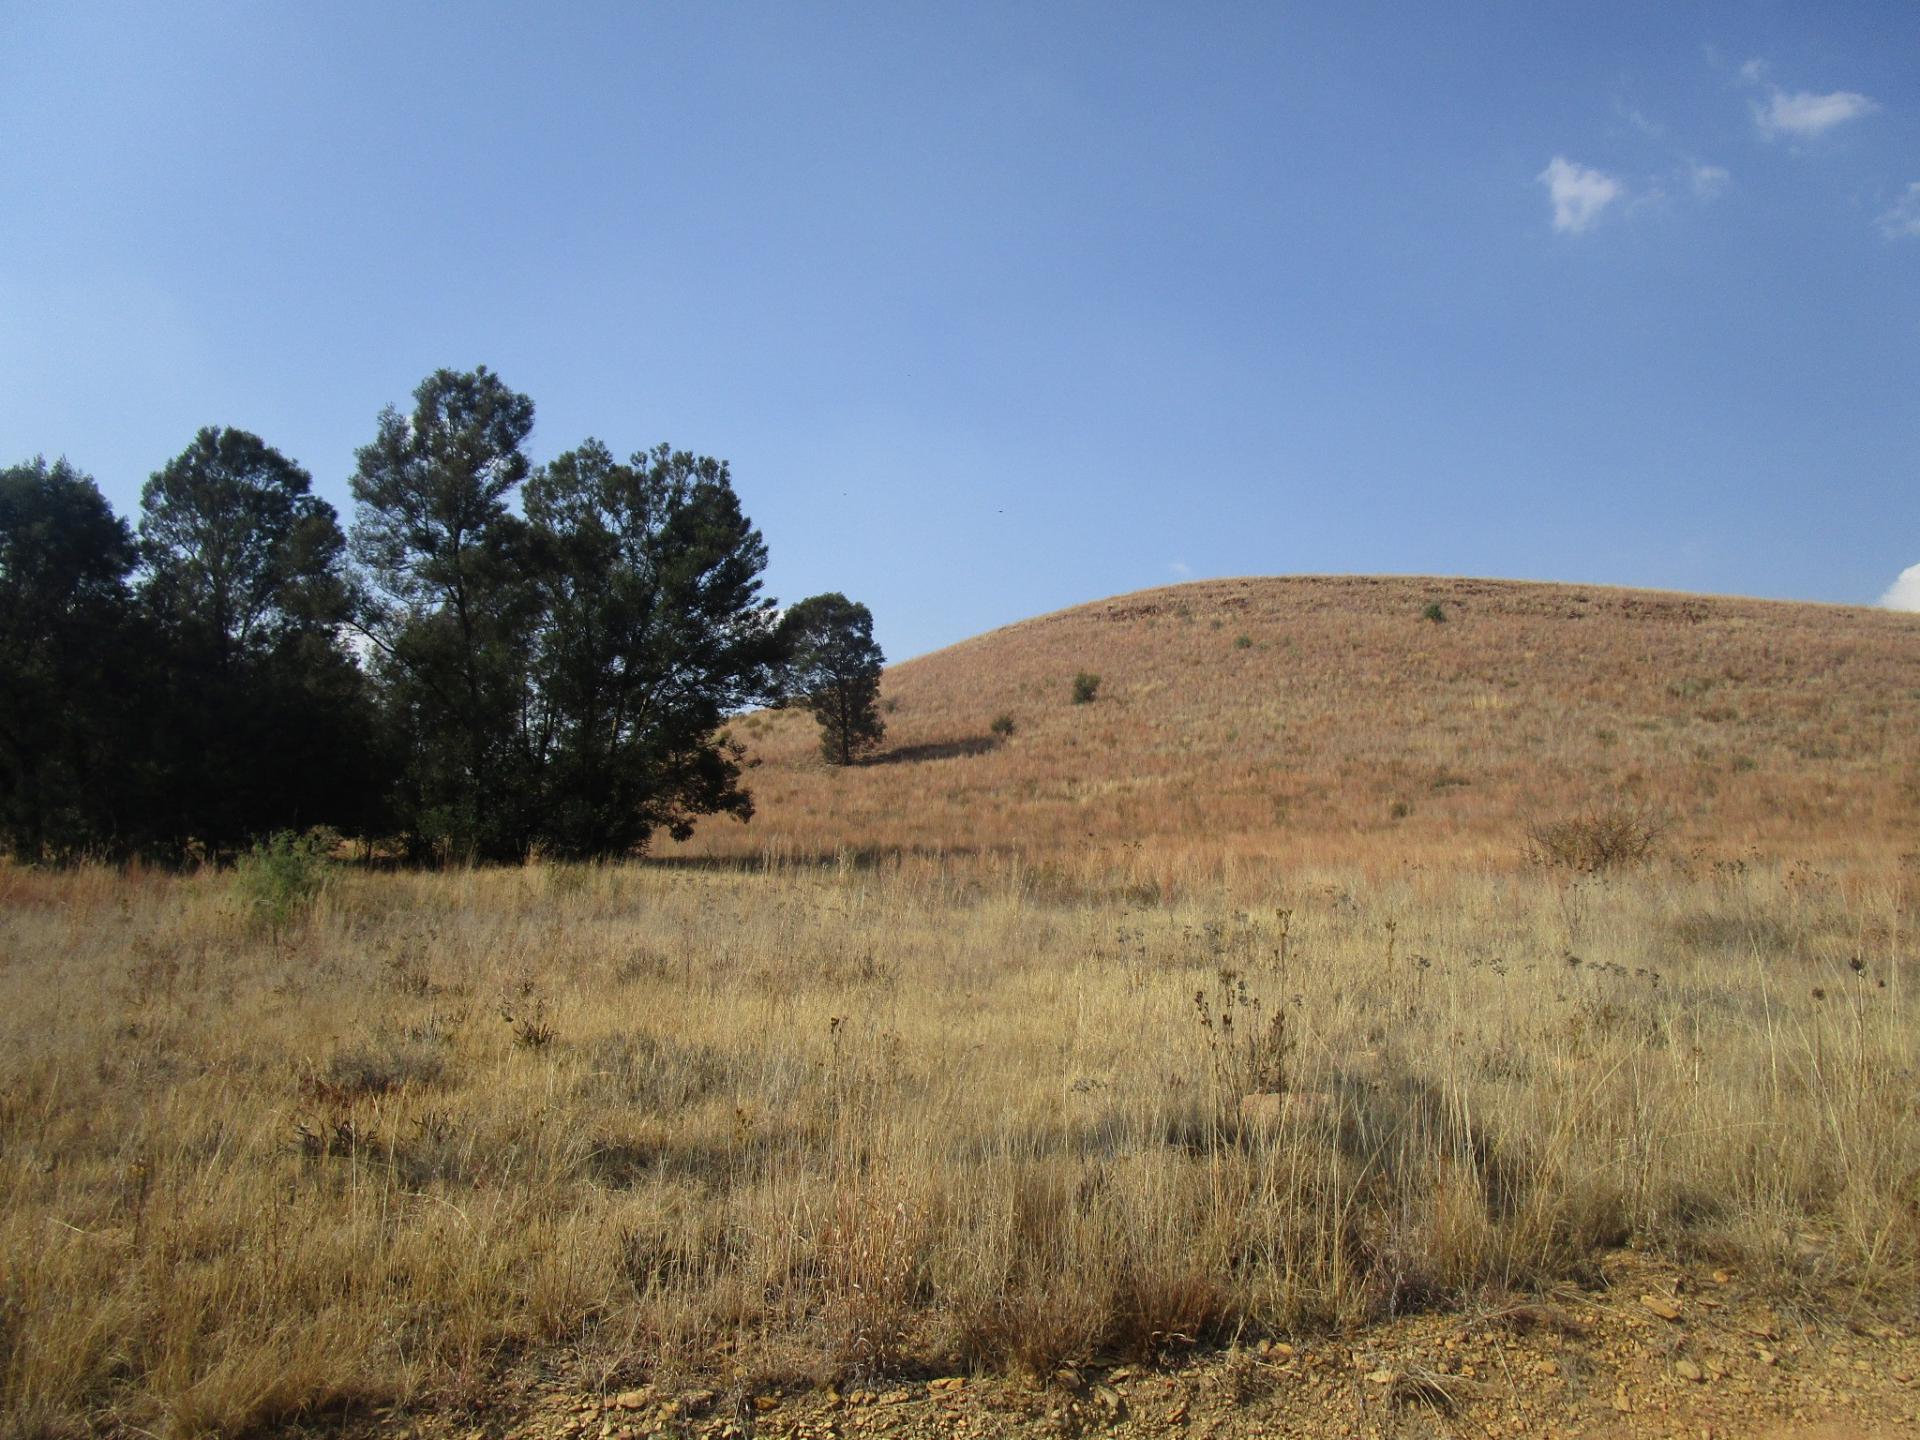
(448, 604)
(834, 666)
(277, 880)
(1085, 687)
(1002, 726)
(265, 719)
(1435, 613)
(1243, 642)
(72, 665)
(648, 630)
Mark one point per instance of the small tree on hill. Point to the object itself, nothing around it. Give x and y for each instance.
(834, 666)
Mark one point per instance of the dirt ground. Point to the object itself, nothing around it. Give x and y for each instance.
(1651, 1350)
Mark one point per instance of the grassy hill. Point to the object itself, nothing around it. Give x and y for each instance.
(1241, 721)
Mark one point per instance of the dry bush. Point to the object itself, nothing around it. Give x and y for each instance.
(1609, 837)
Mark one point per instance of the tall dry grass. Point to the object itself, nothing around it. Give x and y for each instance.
(828, 1122)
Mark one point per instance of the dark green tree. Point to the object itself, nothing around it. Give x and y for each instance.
(266, 721)
(652, 630)
(449, 604)
(834, 665)
(71, 669)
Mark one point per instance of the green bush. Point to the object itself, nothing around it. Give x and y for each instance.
(277, 880)
(1002, 726)
(1435, 613)
(1085, 687)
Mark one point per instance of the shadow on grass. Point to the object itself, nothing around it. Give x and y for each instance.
(937, 750)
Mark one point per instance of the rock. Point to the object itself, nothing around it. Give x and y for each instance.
(1687, 1370)
(1067, 1378)
(1111, 1401)
(1381, 1377)
(948, 1385)
(764, 1403)
(1661, 1306)
(629, 1400)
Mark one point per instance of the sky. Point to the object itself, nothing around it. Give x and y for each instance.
(995, 309)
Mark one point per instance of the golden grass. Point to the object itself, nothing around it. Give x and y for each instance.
(1242, 724)
(826, 1121)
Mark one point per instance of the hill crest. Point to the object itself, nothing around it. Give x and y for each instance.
(1330, 716)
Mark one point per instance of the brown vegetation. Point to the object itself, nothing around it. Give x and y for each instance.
(1226, 1006)
(805, 1126)
(1242, 724)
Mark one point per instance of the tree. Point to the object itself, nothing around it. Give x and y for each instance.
(70, 668)
(834, 666)
(448, 605)
(265, 721)
(238, 548)
(652, 630)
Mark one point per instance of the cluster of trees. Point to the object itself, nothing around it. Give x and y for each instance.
(474, 677)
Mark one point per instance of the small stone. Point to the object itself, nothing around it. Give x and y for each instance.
(1125, 1372)
(1178, 1414)
(764, 1403)
(896, 1397)
(1110, 1400)
(1661, 1306)
(1687, 1370)
(947, 1385)
(630, 1400)
(1282, 1349)
(1381, 1377)
(1767, 1357)
(1548, 1367)
(1723, 1277)
(1067, 1377)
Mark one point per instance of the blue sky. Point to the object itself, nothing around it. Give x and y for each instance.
(995, 309)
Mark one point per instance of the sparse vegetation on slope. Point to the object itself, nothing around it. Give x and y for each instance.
(1349, 728)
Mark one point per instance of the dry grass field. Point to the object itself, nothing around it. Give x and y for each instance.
(1228, 1006)
(1244, 723)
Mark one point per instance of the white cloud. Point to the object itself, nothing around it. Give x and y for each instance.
(1182, 569)
(1754, 71)
(1579, 194)
(1904, 593)
(1902, 222)
(1708, 180)
(1805, 114)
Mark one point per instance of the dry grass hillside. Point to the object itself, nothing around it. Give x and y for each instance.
(1240, 721)
(1200, 1061)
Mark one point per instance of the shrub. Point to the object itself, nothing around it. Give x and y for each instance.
(1434, 612)
(1085, 687)
(1243, 642)
(1002, 726)
(1603, 838)
(277, 880)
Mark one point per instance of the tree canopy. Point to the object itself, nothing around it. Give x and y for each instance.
(834, 665)
(497, 659)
